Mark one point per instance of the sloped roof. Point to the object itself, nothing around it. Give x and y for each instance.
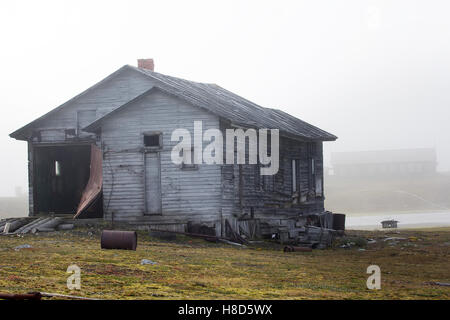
(212, 98)
(228, 105)
(384, 156)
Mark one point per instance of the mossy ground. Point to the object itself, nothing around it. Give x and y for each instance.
(195, 269)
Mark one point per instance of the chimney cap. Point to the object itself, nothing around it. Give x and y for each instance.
(147, 64)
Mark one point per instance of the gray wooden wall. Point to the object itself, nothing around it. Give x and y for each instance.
(187, 194)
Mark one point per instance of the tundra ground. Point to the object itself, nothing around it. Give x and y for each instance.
(195, 269)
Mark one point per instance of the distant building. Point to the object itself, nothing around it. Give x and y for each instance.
(384, 162)
(389, 224)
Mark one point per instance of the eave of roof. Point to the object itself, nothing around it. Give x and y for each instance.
(21, 134)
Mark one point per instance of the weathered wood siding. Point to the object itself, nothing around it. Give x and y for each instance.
(30, 180)
(100, 100)
(246, 193)
(187, 194)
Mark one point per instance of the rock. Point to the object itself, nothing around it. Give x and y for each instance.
(146, 261)
(442, 284)
(394, 239)
(22, 246)
(66, 226)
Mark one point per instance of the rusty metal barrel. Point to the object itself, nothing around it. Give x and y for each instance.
(338, 221)
(115, 239)
(296, 249)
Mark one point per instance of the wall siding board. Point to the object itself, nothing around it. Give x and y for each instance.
(185, 194)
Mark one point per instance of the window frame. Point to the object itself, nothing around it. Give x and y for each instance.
(294, 175)
(152, 133)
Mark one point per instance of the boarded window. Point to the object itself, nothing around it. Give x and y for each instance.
(152, 140)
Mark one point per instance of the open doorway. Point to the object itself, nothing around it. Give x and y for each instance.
(60, 175)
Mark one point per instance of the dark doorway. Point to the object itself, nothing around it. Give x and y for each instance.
(60, 175)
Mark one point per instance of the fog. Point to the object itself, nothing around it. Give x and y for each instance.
(374, 73)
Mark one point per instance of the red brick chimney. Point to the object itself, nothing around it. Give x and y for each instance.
(147, 64)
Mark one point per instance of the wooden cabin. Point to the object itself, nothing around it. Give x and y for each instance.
(106, 153)
(389, 224)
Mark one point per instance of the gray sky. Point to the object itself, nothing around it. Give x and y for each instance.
(375, 73)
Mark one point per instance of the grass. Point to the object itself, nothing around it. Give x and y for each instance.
(195, 269)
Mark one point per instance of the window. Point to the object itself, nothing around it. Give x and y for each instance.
(57, 168)
(312, 175)
(294, 176)
(152, 140)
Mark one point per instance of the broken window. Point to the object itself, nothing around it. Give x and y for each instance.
(152, 140)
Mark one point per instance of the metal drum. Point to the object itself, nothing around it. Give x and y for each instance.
(338, 221)
(114, 239)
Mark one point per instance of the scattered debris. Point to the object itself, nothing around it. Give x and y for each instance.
(38, 296)
(40, 229)
(146, 261)
(66, 226)
(347, 245)
(22, 246)
(395, 239)
(348, 242)
(162, 235)
(442, 284)
(195, 235)
(13, 224)
(7, 227)
(21, 296)
(297, 249)
(232, 243)
(233, 235)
